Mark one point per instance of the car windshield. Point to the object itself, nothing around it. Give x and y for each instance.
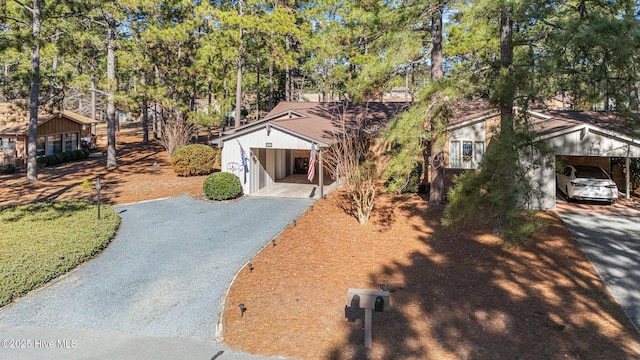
(590, 173)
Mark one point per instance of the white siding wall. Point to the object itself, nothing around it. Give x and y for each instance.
(231, 162)
(474, 136)
(476, 132)
(543, 183)
(580, 143)
(274, 163)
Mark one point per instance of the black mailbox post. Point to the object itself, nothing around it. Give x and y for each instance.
(369, 300)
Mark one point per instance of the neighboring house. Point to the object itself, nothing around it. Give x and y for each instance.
(279, 145)
(575, 137)
(58, 131)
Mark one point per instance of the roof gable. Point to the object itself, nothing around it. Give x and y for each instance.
(321, 122)
(547, 124)
(14, 118)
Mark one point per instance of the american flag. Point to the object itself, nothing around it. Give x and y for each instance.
(311, 172)
(243, 157)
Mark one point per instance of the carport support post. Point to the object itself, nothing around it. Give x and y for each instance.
(627, 165)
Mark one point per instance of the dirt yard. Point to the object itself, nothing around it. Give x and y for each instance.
(455, 295)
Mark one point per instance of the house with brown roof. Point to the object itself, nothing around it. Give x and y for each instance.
(58, 131)
(278, 146)
(575, 137)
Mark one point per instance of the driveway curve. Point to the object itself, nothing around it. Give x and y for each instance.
(610, 238)
(161, 281)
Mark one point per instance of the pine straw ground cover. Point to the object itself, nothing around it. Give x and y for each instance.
(457, 295)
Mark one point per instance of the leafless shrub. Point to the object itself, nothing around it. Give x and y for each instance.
(175, 133)
(349, 160)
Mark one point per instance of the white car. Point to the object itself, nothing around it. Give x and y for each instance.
(583, 182)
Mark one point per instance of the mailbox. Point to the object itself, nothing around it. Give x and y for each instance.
(369, 299)
(379, 304)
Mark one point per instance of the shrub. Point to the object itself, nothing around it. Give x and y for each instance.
(66, 156)
(7, 169)
(222, 186)
(194, 160)
(59, 158)
(41, 161)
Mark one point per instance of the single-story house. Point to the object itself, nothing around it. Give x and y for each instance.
(575, 137)
(279, 146)
(58, 131)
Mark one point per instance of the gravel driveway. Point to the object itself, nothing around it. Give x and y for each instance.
(610, 237)
(161, 281)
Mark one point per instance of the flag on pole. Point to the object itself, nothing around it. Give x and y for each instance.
(243, 160)
(311, 168)
(243, 157)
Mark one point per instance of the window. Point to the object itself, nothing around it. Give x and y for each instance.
(455, 158)
(74, 141)
(71, 142)
(7, 143)
(40, 146)
(467, 151)
(67, 142)
(54, 144)
(465, 154)
(478, 152)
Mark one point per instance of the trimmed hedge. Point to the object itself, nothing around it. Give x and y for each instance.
(59, 158)
(222, 186)
(7, 168)
(194, 160)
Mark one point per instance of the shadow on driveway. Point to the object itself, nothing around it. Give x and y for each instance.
(609, 236)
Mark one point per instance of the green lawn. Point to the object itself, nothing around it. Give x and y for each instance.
(40, 242)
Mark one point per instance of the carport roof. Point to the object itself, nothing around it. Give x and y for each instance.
(321, 122)
(549, 123)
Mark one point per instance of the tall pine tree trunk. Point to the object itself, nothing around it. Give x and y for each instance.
(506, 143)
(145, 110)
(287, 72)
(111, 106)
(94, 88)
(436, 153)
(238, 112)
(32, 168)
(271, 85)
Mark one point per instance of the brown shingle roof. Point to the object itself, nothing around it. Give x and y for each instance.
(546, 122)
(322, 121)
(559, 120)
(14, 118)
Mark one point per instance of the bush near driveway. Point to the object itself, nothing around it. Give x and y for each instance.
(222, 186)
(42, 241)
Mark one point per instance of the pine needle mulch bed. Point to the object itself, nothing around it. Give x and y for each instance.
(455, 295)
(134, 179)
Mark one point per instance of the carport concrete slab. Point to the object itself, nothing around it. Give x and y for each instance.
(610, 238)
(296, 186)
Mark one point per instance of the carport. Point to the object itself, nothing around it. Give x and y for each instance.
(572, 137)
(583, 138)
(283, 154)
